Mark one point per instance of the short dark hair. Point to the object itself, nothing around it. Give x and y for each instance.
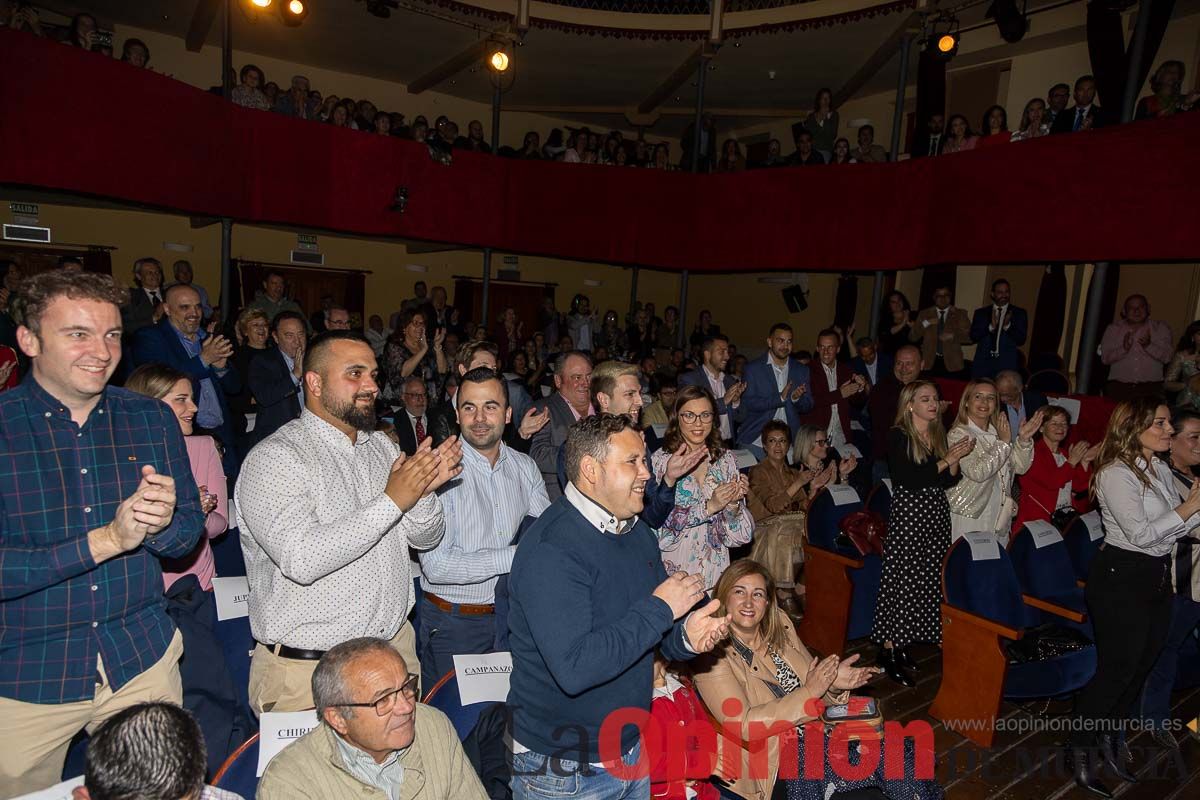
(35, 294)
(711, 341)
(130, 43)
(870, 128)
(466, 354)
(779, 326)
(1079, 81)
(276, 273)
(151, 751)
(246, 70)
(1056, 87)
(283, 316)
(64, 260)
(590, 437)
(865, 341)
(999, 281)
(482, 375)
(777, 425)
(829, 332)
(318, 348)
(1182, 415)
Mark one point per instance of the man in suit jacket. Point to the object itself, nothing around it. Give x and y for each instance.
(1015, 400)
(145, 299)
(179, 341)
(931, 140)
(572, 402)
(942, 331)
(834, 387)
(1085, 113)
(999, 331)
(276, 376)
(870, 363)
(725, 388)
(417, 420)
(777, 387)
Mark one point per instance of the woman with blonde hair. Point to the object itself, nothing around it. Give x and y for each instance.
(922, 467)
(982, 499)
(763, 685)
(1144, 511)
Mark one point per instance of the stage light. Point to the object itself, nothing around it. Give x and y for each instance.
(261, 3)
(943, 38)
(498, 61)
(293, 12)
(946, 43)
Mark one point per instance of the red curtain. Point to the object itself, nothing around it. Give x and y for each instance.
(88, 124)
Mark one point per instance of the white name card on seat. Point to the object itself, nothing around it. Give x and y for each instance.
(850, 450)
(984, 546)
(1043, 533)
(278, 729)
(744, 458)
(855, 425)
(250, 422)
(59, 791)
(1094, 525)
(232, 595)
(659, 430)
(545, 391)
(842, 495)
(1069, 403)
(888, 483)
(483, 679)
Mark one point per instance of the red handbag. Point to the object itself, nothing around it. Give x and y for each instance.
(864, 531)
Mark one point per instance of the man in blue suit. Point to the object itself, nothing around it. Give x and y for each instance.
(179, 341)
(998, 331)
(726, 389)
(777, 387)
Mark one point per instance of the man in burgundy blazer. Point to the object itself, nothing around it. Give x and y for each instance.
(848, 388)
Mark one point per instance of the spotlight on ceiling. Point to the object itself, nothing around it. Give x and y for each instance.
(261, 3)
(944, 38)
(293, 12)
(1011, 23)
(498, 59)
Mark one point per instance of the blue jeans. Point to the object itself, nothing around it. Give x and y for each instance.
(1156, 695)
(535, 776)
(446, 634)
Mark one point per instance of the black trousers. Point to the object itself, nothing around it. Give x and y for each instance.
(1129, 601)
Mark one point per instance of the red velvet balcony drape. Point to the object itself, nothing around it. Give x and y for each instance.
(79, 122)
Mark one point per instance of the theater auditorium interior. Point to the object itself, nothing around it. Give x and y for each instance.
(912, 399)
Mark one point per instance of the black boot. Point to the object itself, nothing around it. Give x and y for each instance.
(906, 661)
(1117, 757)
(886, 658)
(1084, 765)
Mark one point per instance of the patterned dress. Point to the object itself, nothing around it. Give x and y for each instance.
(691, 541)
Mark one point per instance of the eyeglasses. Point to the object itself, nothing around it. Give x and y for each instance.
(821, 442)
(691, 416)
(384, 705)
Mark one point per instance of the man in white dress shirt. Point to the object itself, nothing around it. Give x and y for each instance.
(498, 488)
(327, 509)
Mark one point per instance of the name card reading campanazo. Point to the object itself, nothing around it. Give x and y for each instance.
(984, 546)
(1094, 525)
(483, 679)
(232, 595)
(745, 459)
(842, 495)
(278, 729)
(1043, 533)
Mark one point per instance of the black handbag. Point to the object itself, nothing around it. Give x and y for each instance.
(1045, 642)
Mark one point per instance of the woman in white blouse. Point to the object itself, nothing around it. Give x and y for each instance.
(1129, 585)
(982, 500)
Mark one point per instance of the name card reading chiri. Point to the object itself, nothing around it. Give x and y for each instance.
(232, 595)
(278, 729)
(745, 459)
(483, 679)
(842, 495)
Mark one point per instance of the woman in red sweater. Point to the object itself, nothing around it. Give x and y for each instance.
(1056, 475)
(675, 775)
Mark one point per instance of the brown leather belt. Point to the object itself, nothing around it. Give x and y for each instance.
(469, 609)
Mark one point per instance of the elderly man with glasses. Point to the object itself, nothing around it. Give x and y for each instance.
(373, 738)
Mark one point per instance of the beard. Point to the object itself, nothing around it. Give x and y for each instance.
(361, 419)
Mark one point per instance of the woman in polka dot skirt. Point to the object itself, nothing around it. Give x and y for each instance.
(922, 468)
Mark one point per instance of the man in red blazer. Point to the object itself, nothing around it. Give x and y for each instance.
(834, 388)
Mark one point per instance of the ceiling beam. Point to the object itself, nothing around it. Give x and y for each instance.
(676, 79)
(474, 53)
(202, 21)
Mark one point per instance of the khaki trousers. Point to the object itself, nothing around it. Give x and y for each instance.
(285, 684)
(34, 737)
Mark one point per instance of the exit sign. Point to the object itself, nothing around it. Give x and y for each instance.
(307, 242)
(24, 209)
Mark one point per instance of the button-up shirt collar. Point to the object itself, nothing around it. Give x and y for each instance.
(597, 515)
(387, 777)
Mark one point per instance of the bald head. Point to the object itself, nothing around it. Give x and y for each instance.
(907, 365)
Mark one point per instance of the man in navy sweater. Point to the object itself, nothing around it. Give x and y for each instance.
(590, 604)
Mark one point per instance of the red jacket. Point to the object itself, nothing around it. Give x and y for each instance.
(670, 774)
(825, 402)
(1040, 485)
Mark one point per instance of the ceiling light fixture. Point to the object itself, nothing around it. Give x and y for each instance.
(499, 60)
(943, 38)
(1011, 23)
(293, 12)
(261, 3)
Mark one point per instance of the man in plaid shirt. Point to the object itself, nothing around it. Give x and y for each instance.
(96, 488)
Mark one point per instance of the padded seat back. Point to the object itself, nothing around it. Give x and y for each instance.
(239, 773)
(824, 516)
(444, 697)
(880, 501)
(987, 587)
(1080, 547)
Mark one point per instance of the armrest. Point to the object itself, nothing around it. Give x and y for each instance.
(954, 614)
(1054, 608)
(816, 551)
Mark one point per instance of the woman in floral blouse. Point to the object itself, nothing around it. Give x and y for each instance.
(710, 514)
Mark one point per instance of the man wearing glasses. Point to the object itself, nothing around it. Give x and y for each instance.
(373, 736)
(571, 403)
